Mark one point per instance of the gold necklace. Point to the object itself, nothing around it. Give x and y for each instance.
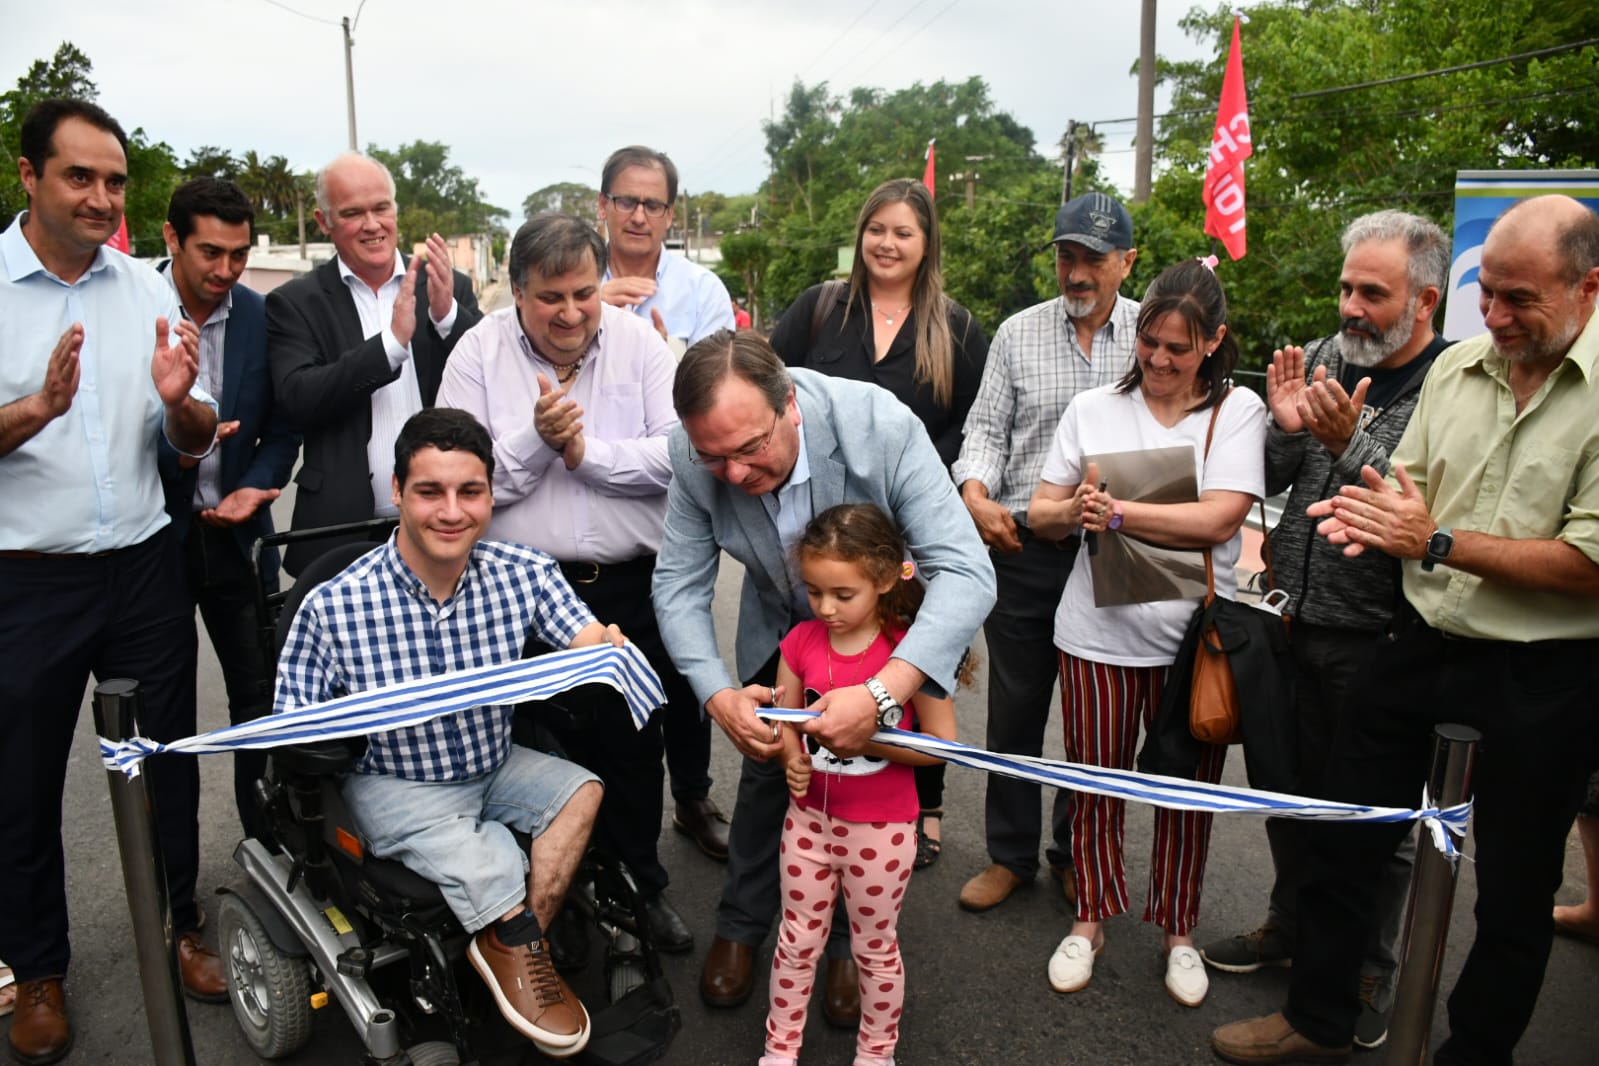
(859, 660)
(889, 316)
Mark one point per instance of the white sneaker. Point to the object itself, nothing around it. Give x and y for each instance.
(1185, 976)
(1072, 965)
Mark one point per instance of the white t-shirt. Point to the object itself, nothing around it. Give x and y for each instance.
(1103, 420)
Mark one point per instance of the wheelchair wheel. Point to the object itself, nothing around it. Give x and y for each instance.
(270, 992)
(434, 1053)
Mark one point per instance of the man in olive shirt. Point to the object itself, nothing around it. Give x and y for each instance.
(1495, 516)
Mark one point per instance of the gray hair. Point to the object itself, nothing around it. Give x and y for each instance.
(322, 204)
(724, 354)
(1579, 246)
(553, 244)
(1426, 243)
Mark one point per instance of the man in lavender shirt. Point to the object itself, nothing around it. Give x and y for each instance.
(577, 395)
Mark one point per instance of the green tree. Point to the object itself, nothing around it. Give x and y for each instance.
(1322, 160)
(568, 197)
(745, 258)
(209, 161)
(435, 195)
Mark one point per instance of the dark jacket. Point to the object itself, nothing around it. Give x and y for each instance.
(324, 371)
(261, 454)
(846, 349)
(1328, 587)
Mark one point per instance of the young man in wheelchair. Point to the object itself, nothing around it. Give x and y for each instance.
(443, 797)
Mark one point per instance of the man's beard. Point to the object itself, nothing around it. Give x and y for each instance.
(1080, 306)
(1547, 350)
(1367, 351)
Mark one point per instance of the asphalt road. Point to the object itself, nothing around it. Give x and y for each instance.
(977, 991)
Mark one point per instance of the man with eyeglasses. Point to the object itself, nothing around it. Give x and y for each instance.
(761, 450)
(357, 346)
(680, 298)
(684, 302)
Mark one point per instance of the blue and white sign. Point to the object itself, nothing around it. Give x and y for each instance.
(1480, 197)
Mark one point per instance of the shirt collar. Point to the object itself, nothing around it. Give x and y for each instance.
(415, 585)
(21, 260)
(1583, 354)
(802, 462)
(660, 263)
(349, 275)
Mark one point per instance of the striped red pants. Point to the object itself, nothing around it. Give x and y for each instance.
(1102, 707)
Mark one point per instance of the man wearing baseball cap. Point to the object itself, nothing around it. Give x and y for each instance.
(1039, 360)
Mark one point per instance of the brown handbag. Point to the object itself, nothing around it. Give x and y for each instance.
(1213, 711)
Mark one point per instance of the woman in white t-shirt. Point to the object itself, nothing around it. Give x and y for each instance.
(1115, 659)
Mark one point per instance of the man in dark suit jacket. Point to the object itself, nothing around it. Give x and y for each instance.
(358, 346)
(222, 504)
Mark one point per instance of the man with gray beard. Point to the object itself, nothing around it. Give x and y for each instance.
(1493, 509)
(1348, 411)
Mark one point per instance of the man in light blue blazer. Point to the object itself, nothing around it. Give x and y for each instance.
(760, 451)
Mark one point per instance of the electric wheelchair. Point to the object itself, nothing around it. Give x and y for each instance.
(317, 920)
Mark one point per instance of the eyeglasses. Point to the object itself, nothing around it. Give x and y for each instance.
(744, 456)
(628, 204)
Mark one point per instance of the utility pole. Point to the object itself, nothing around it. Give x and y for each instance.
(1071, 158)
(349, 70)
(1144, 160)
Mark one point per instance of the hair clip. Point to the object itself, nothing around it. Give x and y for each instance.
(1209, 262)
(907, 570)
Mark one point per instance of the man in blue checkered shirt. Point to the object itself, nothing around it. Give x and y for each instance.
(443, 797)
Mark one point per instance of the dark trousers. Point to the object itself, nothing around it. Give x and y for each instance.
(1534, 704)
(62, 619)
(1023, 667)
(752, 893)
(220, 582)
(628, 761)
(1327, 662)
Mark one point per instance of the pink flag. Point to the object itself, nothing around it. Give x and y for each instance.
(1229, 147)
(927, 175)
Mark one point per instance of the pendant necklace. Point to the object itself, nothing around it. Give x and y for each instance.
(570, 371)
(890, 316)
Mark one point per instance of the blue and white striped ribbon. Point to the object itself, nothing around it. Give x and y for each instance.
(1172, 792)
(411, 703)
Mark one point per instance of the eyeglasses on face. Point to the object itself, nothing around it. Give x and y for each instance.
(628, 204)
(744, 456)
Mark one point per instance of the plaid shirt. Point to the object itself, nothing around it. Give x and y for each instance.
(1035, 367)
(376, 624)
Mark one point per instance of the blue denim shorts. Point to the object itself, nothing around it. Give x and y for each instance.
(457, 834)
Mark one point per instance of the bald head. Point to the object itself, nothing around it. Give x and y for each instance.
(1539, 277)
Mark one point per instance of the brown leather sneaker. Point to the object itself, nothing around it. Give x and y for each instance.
(40, 1032)
(201, 970)
(531, 995)
(989, 889)
(841, 994)
(1268, 1040)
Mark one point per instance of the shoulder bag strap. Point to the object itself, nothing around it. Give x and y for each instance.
(1210, 431)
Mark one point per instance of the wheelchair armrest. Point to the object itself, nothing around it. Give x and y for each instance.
(316, 758)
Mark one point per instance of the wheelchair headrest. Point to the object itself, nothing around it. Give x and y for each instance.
(324, 567)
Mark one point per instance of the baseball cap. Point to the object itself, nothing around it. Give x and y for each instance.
(1095, 221)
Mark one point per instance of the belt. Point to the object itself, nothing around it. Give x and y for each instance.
(1065, 544)
(18, 554)
(586, 573)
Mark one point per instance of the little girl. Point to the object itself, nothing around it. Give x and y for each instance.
(850, 820)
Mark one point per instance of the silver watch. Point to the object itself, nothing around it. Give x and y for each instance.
(889, 712)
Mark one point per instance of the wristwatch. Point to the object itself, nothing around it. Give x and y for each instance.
(889, 712)
(1115, 516)
(1438, 547)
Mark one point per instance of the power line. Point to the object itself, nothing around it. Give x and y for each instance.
(302, 14)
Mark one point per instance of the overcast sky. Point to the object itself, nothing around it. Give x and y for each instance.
(528, 93)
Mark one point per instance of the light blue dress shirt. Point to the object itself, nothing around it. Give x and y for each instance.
(86, 482)
(692, 301)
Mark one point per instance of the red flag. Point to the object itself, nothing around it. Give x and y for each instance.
(1229, 147)
(119, 239)
(927, 175)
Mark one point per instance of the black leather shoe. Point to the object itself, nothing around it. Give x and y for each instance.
(702, 821)
(668, 932)
(728, 975)
(841, 998)
(568, 938)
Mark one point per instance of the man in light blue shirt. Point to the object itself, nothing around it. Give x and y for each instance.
(88, 568)
(685, 303)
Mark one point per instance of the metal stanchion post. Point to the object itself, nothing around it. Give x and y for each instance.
(116, 707)
(1432, 897)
